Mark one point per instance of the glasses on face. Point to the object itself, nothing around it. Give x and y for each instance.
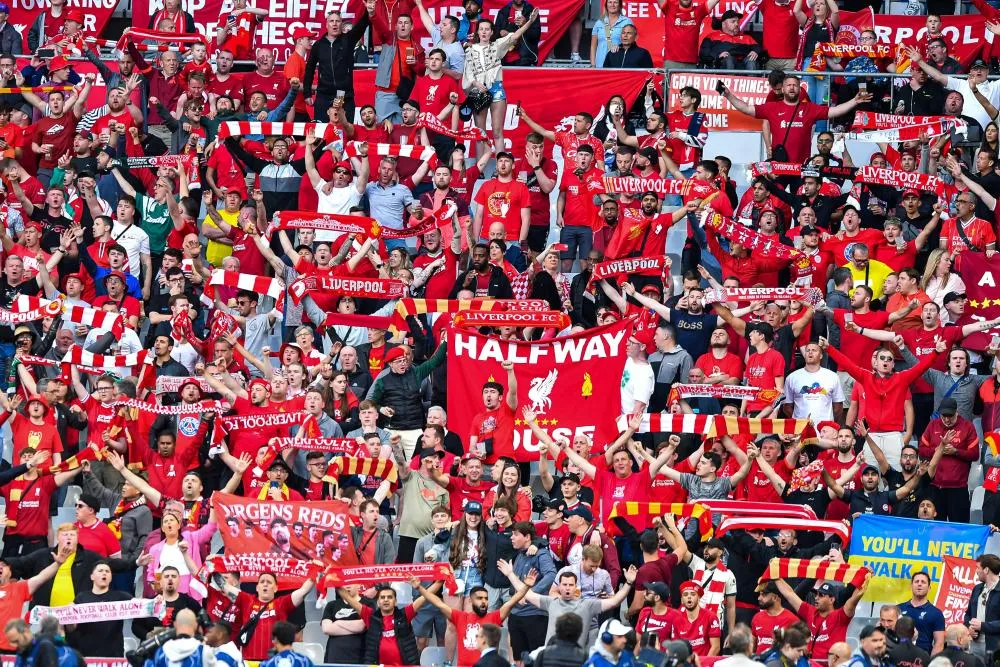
(79, 505)
(963, 201)
(105, 388)
(341, 171)
(824, 141)
(887, 359)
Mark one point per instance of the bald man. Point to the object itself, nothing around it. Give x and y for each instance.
(185, 646)
(839, 654)
(956, 647)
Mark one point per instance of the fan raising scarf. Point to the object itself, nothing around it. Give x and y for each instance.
(272, 287)
(373, 288)
(835, 50)
(733, 392)
(109, 362)
(903, 180)
(328, 132)
(342, 446)
(630, 266)
(800, 568)
(414, 307)
(693, 187)
(95, 318)
(544, 319)
(438, 219)
(771, 523)
(759, 245)
(422, 153)
(28, 309)
(437, 126)
(890, 128)
(121, 509)
(37, 90)
(368, 575)
(758, 509)
(803, 428)
(140, 35)
(384, 469)
(693, 511)
(666, 423)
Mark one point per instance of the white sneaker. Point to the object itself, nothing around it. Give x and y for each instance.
(575, 58)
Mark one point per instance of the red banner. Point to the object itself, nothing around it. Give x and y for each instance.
(95, 14)
(648, 18)
(982, 286)
(958, 577)
(285, 16)
(291, 538)
(966, 34)
(572, 383)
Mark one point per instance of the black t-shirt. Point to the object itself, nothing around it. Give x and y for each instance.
(908, 655)
(346, 649)
(818, 500)
(103, 638)
(585, 494)
(142, 626)
(694, 332)
(7, 296)
(907, 506)
(861, 502)
(52, 227)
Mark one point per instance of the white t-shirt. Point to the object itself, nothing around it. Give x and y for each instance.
(136, 244)
(813, 394)
(637, 384)
(972, 108)
(339, 202)
(715, 584)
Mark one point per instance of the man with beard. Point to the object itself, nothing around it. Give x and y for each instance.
(341, 192)
(503, 199)
(390, 631)
(268, 610)
(98, 638)
(280, 177)
(868, 499)
(871, 651)
(719, 365)
(252, 401)
(928, 618)
(575, 210)
(190, 504)
(909, 460)
(463, 488)
(699, 627)
(827, 624)
(169, 580)
(771, 615)
(225, 83)
(756, 200)
(656, 614)
(568, 600)
(482, 278)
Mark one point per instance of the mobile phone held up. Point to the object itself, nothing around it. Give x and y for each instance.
(720, 87)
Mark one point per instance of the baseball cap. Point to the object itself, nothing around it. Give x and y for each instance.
(979, 62)
(473, 507)
(649, 153)
(116, 274)
(659, 588)
(953, 296)
(911, 193)
(644, 336)
(715, 543)
(571, 476)
(949, 406)
(299, 33)
(279, 462)
(808, 229)
(872, 468)
(428, 452)
(617, 628)
(580, 511)
(557, 504)
(826, 589)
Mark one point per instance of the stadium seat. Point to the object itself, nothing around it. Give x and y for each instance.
(72, 495)
(313, 632)
(433, 656)
(316, 652)
(976, 508)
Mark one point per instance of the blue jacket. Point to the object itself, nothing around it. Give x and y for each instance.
(542, 563)
(287, 658)
(183, 651)
(600, 658)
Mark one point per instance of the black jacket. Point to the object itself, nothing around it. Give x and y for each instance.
(823, 205)
(335, 61)
(499, 287)
(527, 46)
(25, 567)
(492, 659)
(561, 653)
(991, 627)
(635, 57)
(405, 639)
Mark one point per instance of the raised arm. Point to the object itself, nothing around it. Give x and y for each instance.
(548, 134)
(794, 601)
(932, 72)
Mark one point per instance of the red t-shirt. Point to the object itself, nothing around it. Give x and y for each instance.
(276, 610)
(465, 186)
(245, 250)
(39, 437)
(440, 284)
(896, 260)
(842, 248)
(681, 26)
(325, 300)
(248, 441)
(697, 632)
(28, 505)
(569, 142)
(432, 94)
(539, 200)
(461, 492)
(856, 346)
(98, 538)
(580, 210)
(388, 649)
(662, 625)
(611, 488)
(228, 175)
(502, 202)
(762, 370)
(558, 538)
(13, 595)
(275, 86)
(763, 625)
(781, 34)
(102, 123)
(58, 132)
(758, 488)
(922, 342)
(496, 425)
(167, 473)
(729, 364)
(467, 625)
(778, 114)
(826, 630)
(232, 87)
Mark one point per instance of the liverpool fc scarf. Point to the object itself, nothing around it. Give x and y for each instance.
(217, 407)
(384, 469)
(693, 511)
(735, 392)
(367, 575)
(770, 523)
(121, 509)
(900, 179)
(30, 308)
(662, 186)
(373, 288)
(435, 125)
(889, 128)
(803, 428)
(141, 34)
(800, 568)
(239, 128)
(37, 90)
(260, 420)
(630, 266)
(415, 307)
(544, 319)
(328, 222)
(835, 50)
(810, 295)
(95, 612)
(442, 217)
(760, 245)
(342, 446)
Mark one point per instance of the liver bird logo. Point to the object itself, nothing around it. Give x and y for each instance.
(541, 387)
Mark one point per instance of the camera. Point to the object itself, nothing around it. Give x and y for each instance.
(538, 504)
(147, 649)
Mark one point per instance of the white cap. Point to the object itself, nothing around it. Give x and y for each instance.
(617, 628)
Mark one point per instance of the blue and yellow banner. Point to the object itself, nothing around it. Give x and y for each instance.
(895, 549)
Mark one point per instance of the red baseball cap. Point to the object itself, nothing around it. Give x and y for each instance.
(75, 15)
(911, 193)
(299, 33)
(58, 63)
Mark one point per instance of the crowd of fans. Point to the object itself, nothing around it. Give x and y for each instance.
(132, 212)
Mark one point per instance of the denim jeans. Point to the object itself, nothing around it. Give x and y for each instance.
(6, 354)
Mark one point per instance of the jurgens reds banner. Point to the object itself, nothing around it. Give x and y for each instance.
(573, 383)
(983, 290)
(285, 16)
(290, 538)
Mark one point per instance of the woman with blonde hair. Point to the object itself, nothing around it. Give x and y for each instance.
(938, 278)
(607, 33)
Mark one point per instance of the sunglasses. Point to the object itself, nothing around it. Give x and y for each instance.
(341, 171)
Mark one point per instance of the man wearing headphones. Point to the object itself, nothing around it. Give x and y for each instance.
(610, 645)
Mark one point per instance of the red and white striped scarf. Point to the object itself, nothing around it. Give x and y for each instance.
(732, 392)
(95, 318)
(760, 245)
(663, 423)
(142, 34)
(422, 153)
(236, 128)
(713, 586)
(18, 90)
(328, 222)
(78, 355)
(758, 509)
(440, 218)
(272, 287)
(375, 288)
(180, 409)
(838, 528)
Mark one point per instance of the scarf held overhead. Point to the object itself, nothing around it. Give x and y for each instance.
(414, 307)
(758, 244)
(771, 523)
(328, 222)
(883, 127)
(367, 575)
(811, 295)
(800, 568)
(545, 319)
(693, 511)
(95, 612)
(375, 288)
(623, 268)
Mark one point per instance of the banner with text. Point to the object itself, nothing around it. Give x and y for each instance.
(286, 16)
(95, 15)
(982, 286)
(958, 577)
(572, 383)
(288, 538)
(894, 549)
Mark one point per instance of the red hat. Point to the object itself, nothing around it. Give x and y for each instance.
(116, 274)
(832, 424)
(344, 164)
(293, 344)
(911, 193)
(299, 33)
(38, 398)
(612, 314)
(644, 336)
(34, 224)
(690, 586)
(876, 155)
(393, 354)
(74, 15)
(190, 381)
(262, 382)
(58, 63)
